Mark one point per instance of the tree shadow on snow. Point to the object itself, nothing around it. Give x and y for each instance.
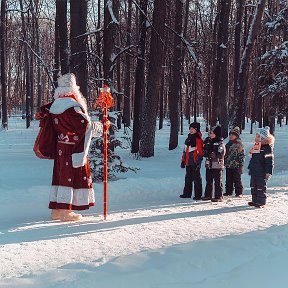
(91, 223)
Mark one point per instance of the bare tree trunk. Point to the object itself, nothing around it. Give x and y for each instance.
(139, 79)
(195, 85)
(161, 104)
(61, 16)
(119, 96)
(237, 41)
(175, 84)
(181, 115)
(31, 80)
(245, 65)
(3, 66)
(147, 141)
(271, 114)
(39, 74)
(110, 23)
(56, 68)
(78, 41)
(98, 65)
(195, 80)
(184, 75)
(27, 68)
(220, 83)
(127, 85)
(163, 82)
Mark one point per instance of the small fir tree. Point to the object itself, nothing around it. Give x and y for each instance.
(115, 163)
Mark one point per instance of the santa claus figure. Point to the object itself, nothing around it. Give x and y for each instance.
(72, 187)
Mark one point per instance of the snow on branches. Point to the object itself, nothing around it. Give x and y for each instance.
(280, 53)
(278, 86)
(275, 61)
(280, 21)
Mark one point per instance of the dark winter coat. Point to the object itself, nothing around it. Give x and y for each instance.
(214, 151)
(235, 154)
(193, 150)
(262, 163)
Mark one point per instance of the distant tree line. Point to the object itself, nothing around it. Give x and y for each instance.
(225, 60)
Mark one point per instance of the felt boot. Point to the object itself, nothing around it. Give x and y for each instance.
(55, 214)
(68, 215)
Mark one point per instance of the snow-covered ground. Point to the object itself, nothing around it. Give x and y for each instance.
(151, 238)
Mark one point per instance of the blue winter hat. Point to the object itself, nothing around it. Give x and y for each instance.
(264, 132)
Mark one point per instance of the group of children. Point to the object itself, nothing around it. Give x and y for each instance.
(231, 156)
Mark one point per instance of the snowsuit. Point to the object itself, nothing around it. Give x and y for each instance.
(214, 151)
(234, 160)
(191, 159)
(261, 164)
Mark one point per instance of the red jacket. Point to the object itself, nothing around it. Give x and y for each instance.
(193, 155)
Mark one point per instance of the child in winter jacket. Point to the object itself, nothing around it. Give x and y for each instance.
(234, 161)
(191, 159)
(261, 166)
(214, 151)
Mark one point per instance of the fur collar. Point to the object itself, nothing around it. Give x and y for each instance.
(60, 105)
(268, 141)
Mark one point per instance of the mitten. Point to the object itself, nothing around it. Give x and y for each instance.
(182, 165)
(268, 176)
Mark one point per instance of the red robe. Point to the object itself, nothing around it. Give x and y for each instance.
(72, 182)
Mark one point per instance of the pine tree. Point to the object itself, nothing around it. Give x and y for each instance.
(115, 162)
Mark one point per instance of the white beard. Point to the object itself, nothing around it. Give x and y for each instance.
(69, 91)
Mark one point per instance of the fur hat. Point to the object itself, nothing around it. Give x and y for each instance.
(264, 132)
(66, 86)
(217, 131)
(235, 131)
(195, 125)
(67, 80)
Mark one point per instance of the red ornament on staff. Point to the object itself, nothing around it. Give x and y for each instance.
(105, 101)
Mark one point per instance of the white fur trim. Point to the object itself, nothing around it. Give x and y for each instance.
(68, 195)
(105, 89)
(61, 194)
(191, 149)
(83, 197)
(60, 105)
(79, 159)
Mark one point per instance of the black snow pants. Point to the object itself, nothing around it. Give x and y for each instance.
(215, 175)
(193, 175)
(258, 189)
(233, 179)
